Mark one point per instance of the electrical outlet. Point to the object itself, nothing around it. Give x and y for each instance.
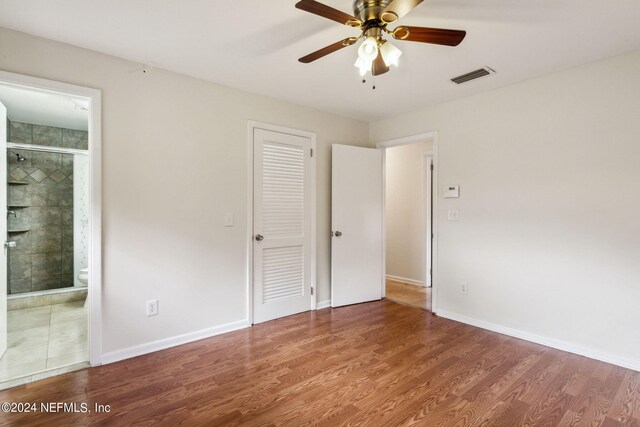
(152, 307)
(464, 288)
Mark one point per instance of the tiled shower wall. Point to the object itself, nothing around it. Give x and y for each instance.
(40, 192)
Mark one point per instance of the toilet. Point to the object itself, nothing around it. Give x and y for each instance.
(83, 276)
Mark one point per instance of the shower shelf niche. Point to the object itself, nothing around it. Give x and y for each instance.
(18, 230)
(18, 183)
(18, 205)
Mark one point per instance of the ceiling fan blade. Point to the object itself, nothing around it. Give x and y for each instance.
(379, 67)
(429, 35)
(327, 50)
(328, 12)
(397, 9)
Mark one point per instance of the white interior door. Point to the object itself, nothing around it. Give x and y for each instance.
(281, 225)
(3, 229)
(356, 223)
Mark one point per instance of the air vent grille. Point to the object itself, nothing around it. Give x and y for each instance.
(476, 74)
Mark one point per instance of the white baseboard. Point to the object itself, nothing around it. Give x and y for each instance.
(405, 280)
(549, 342)
(323, 304)
(150, 347)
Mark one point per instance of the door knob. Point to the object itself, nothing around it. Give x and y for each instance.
(338, 233)
(259, 237)
(9, 244)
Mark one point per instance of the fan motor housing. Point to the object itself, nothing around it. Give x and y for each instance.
(369, 10)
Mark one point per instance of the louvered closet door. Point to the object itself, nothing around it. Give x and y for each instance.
(281, 225)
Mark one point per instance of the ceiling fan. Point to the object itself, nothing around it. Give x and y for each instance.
(372, 17)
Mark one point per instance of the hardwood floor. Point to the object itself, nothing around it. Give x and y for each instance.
(371, 364)
(412, 295)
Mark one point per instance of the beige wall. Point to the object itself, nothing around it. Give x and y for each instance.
(549, 232)
(174, 161)
(405, 214)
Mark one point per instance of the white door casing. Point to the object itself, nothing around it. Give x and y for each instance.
(3, 229)
(427, 190)
(281, 225)
(356, 223)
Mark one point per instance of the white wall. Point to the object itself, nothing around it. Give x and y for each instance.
(549, 230)
(174, 161)
(405, 217)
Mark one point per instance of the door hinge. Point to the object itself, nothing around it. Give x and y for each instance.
(312, 290)
(311, 152)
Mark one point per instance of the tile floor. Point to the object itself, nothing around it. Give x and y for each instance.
(407, 294)
(42, 338)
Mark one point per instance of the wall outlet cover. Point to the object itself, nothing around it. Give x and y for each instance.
(152, 307)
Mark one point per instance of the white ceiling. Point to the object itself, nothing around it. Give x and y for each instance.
(44, 108)
(254, 44)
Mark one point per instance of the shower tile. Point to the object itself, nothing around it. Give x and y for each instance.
(66, 282)
(19, 286)
(47, 162)
(67, 263)
(45, 217)
(58, 176)
(67, 216)
(45, 283)
(19, 195)
(47, 135)
(23, 243)
(20, 133)
(54, 194)
(46, 240)
(18, 174)
(67, 164)
(19, 266)
(38, 193)
(43, 265)
(75, 139)
(67, 239)
(38, 175)
(22, 220)
(66, 194)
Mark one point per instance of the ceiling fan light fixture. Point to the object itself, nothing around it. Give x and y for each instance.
(368, 50)
(388, 17)
(390, 54)
(401, 33)
(364, 66)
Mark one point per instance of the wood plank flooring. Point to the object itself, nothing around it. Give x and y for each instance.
(375, 364)
(407, 294)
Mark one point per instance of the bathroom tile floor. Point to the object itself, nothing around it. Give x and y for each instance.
(42, 338)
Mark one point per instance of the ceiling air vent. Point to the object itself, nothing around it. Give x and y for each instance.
(473, 75)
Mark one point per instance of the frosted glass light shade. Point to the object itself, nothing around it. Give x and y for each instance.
(390, 54)
(368, 50)
(364, 66)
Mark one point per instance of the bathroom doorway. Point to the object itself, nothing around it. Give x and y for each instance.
(48, 309)
(408, 223)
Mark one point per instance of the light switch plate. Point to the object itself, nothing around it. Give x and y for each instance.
(228, 220)
(453, 215)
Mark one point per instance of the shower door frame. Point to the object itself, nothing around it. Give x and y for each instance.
(94, 96)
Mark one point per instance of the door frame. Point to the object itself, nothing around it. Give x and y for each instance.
(424, 137)
(94, 96)
(251, 126)
(427, 202)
